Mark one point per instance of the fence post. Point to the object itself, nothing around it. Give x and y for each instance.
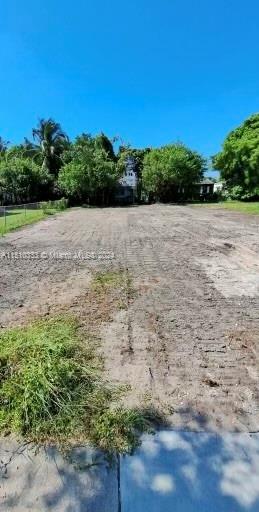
(5, 218)
(24, 207)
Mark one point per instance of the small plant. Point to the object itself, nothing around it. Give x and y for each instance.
(61, 204)
(52, 391)
(119, 428)
(114, 283)
(104, 280)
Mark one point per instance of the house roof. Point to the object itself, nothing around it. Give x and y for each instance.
(205, 182)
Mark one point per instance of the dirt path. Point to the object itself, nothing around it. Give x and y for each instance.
(188, 342)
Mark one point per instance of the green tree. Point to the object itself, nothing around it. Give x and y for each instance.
(50, 142)
(84, 145)
(88, 174)
(25, 150)
(22, 180)
(102, 142)
(170, 170)
(238, 161)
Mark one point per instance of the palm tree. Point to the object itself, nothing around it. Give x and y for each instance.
(50, 142)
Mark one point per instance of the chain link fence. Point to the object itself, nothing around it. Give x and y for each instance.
(14, 216)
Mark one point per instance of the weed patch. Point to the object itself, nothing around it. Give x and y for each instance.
(116, 285)
(52, 391)
(104, 280)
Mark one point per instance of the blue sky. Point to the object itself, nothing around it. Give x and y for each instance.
(150, 71)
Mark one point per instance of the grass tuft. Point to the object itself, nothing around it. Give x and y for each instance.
(51, 390)
(105, 280)
(106, 283)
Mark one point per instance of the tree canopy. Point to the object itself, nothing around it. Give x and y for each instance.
(170, 170)
(89, 173)
(238, 161)
(22, 180)
(104, 143)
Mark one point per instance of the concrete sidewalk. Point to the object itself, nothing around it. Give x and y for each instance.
(192, 472)
(171, 472)
(40, 481)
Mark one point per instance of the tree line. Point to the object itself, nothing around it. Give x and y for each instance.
(51, 166)
(88, 169)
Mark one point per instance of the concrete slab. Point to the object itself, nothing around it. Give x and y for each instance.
(46, 481)
(192, 472)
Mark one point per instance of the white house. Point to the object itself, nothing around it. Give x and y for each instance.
(129, 178)
(218, 186)
(127, 188)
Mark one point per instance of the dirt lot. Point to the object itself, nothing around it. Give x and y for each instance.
(188, 340)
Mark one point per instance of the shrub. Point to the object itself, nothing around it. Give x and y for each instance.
(59, 205)
(239, 193)
(62, 204)
(235, 193)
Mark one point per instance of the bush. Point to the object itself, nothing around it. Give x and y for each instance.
(239, 193)
(170, 172)
(235, 193)
(62, 204)
(22, 180)
(59, 205)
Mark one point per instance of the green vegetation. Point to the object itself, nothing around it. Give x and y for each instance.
(52, 391)
(238, 206)
(238, 161)
(89, 172)
(14, 218)
(105, 283)
(171, 171)
(51, 141)
(104, 280)
(22, 179)
(244, 207)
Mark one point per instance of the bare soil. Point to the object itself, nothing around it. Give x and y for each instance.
(187, 339)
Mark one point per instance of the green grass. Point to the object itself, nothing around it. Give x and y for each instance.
(18, 217)
(52, 390)
(240, 206)
(105, 280)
